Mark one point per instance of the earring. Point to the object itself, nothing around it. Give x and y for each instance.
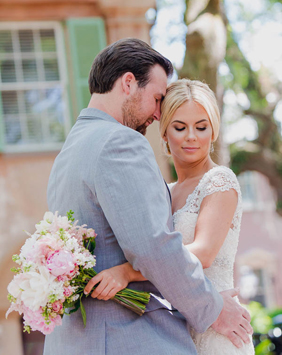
(168, 148)
(212, 148)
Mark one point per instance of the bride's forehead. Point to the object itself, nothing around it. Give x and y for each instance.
(191, 111)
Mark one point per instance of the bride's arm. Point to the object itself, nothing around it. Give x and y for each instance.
(214, 220)
(112, 280)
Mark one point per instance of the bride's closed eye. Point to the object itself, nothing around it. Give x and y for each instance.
(179, 129)
(201, 128)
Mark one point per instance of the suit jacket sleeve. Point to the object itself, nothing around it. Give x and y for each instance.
(131, 193)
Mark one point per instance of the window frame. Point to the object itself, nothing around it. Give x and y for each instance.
(62, 83)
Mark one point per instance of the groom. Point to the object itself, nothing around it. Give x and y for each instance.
(107, 173)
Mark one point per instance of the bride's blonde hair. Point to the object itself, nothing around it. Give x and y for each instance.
(184, 90)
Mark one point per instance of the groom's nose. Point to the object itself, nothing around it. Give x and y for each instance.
(157, 113)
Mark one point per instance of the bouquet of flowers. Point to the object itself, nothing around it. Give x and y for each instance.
(55, 264)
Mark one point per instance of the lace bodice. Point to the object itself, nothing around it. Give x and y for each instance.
(219, 178)
(220, 272)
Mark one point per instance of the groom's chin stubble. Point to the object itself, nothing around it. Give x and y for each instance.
(142, 129)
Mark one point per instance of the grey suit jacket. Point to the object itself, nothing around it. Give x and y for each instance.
(107, 174)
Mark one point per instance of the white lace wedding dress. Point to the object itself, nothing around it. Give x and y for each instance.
(220, 272)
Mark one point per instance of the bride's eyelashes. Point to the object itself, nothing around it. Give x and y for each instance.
(198, 128)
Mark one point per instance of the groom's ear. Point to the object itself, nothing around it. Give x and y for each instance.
(128, 83)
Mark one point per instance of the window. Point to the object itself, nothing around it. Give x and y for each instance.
(33, 100)
(248, 188)
(257, 193)
(256, 285)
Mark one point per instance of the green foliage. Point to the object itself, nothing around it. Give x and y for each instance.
(70, 216)
(11, 298)
(264, 348)
(27, 329)
(279, 206)
(173, 171)
(16, 270)
(243, 77)
(262, 323)
(82, 309)
(279, 167)
(261, 320)
(239, 159)
(16, 258)
(275, 312)
(90, 244)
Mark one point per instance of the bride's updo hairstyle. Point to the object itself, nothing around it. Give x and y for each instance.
(185, 90)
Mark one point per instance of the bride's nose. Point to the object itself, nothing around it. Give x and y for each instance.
(190, 136)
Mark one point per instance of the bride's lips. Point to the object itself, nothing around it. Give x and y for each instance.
(190, 149)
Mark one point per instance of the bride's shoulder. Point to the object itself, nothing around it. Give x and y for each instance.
(221, 170)
(220, 178)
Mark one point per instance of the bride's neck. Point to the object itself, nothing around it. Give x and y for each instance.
(193, 170)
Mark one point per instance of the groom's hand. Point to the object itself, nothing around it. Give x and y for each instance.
(234, 320)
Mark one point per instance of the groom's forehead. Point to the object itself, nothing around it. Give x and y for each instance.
(158, 80)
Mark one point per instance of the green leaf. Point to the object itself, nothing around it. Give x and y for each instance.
(70, 214)
(90, 244)
(76, 306)
(83, 313)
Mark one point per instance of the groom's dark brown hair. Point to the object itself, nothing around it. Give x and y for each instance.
(126, 55)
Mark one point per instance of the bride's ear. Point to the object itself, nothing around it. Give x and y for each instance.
(164, 137)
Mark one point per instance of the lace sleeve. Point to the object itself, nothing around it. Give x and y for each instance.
(218, 179)
(221, 179)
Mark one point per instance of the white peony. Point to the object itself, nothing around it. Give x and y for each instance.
(28, 248)
(14, 287)
(36, 288)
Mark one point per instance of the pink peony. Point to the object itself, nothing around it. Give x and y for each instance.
(37, 322)
(47, 245)
(60, 263)
(62, 278)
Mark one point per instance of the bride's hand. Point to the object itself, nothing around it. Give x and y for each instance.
(110, 282)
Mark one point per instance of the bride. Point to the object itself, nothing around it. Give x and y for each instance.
(206, 201)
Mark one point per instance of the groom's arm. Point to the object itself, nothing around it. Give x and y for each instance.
(131, 192)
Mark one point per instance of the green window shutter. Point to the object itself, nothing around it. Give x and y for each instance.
(2, 136)
(87, 38)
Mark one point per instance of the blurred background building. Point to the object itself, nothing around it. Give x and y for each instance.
(46, 51)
